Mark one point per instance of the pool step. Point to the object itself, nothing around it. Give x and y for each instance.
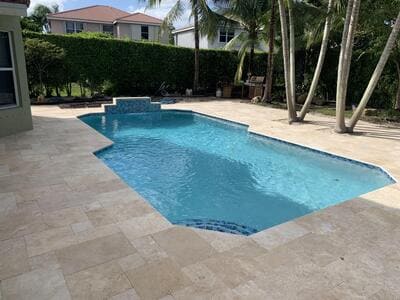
(216, 225)
(127, 105)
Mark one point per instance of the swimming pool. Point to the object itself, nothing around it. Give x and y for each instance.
(208, 173)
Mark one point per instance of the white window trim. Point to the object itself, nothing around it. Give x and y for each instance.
(16, 83)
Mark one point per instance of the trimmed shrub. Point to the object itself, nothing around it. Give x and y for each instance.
(139, 68)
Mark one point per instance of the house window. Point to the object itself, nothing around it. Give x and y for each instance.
(145, 32)
(225, 36)
(108, 29)
(78, 27)
(73, 27)
(8, 92)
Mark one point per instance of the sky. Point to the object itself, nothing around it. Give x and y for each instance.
(127, 5)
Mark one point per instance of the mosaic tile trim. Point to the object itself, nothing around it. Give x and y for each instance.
(131, 105)
(216, 225)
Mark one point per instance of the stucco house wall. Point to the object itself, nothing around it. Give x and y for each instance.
(57, 26)
(16, 118)
(124, 31)
(134, 32)
(185, 38)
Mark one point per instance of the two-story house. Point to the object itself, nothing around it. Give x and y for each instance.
(107, 19)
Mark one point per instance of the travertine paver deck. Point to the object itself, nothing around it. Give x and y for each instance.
(70, 228)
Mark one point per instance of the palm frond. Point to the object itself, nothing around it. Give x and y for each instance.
(174, 14)
(209, 20)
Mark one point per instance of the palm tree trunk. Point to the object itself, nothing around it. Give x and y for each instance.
(292, 51)
(267, 97)
(251, 60)
(197, 47)
(390, 44)
(346, 52)
(397, 102)
(292, 117)
(321, 59)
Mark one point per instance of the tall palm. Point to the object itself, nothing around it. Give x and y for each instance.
(397, 63)
(292, 115)
(199, 11)
(251, 16)
(390, 44)
(346, 51)
(352, 15)
(287, 9)
(267, 97)
(320, 63)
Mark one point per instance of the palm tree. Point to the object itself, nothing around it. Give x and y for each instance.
(346, 51)
(199, 10)
(292, 115)
(292, 53)
(267, 97)
(251, 15)
(390, 44)
(320, 63)
(397, 99)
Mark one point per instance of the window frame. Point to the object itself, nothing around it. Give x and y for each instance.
(226, 34)
(108, 32)
(13, 70)
(145, 32)
(74, 27)
(66, 27)
(83, 27)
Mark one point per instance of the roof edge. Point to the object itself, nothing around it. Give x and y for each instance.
(75, 9)
(183, 29)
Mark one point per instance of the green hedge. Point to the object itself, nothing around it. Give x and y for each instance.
(138, 68)
(134, 68)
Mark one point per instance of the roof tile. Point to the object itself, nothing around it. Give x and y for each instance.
(139, 18)
(99, 13)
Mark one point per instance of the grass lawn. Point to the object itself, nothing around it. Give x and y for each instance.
(76, 91)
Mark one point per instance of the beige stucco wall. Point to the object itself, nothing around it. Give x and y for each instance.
(16, 119)
(93, 27)
(124, 31)
(133, 31)
(57, 26)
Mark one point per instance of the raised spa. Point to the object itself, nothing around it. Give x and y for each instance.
(207, 173)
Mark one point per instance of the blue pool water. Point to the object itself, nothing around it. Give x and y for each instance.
(207, 173)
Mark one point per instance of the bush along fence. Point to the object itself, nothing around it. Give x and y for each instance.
(122, 67)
